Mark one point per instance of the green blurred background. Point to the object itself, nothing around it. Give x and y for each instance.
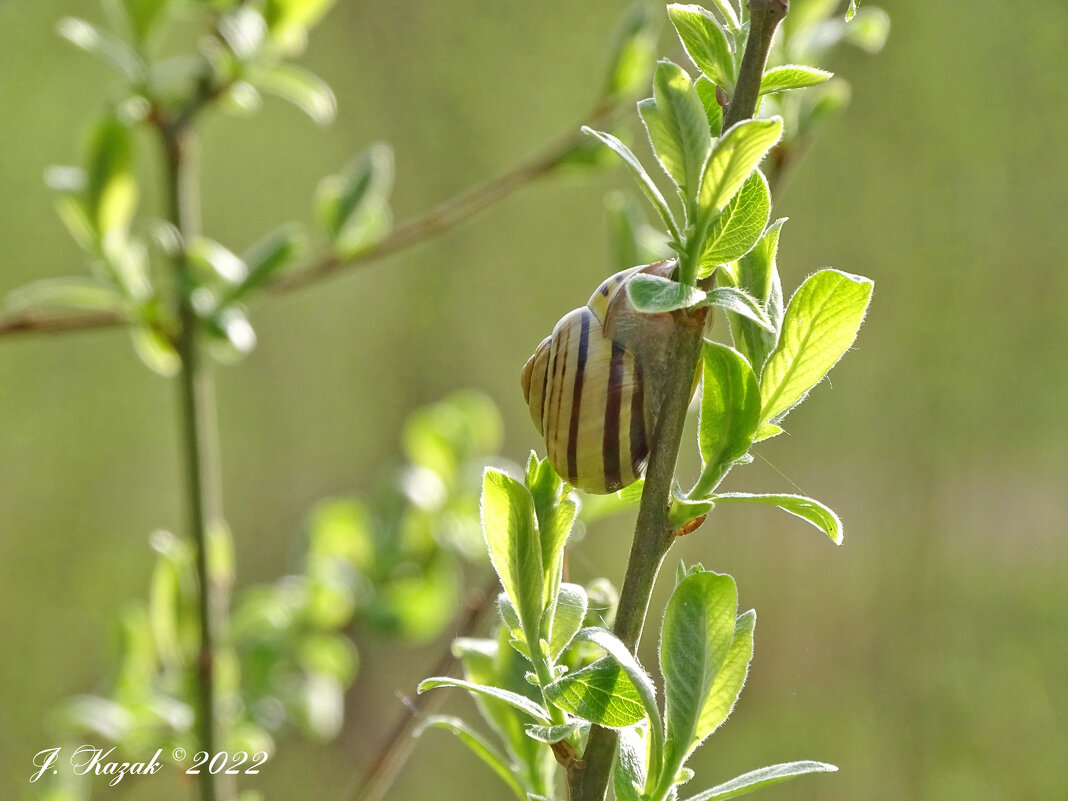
(927, 658)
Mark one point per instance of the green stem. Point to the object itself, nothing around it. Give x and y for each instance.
(197, 410)
(653, 533)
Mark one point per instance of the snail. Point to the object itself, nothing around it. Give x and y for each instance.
(592, 388)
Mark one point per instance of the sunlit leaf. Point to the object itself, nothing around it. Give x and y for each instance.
(739, 226)
(707, 43)
(600, 693)
(819, 326)
(730, 407)
(304, 89)
(792, 76)
(734, 157)
(653, 294)
(515, 700)
(762, 777)
(807, 509)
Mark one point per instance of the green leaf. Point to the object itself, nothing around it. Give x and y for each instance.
(727, 11)
(767, 431)
(108, 48)
(758, 275)
(267, 257)
(110, 191)
(739, 226)
(628, 771)
(730, 408)
(522, 703)
(706, 90)
(555, 508)
(707, 44)
(792, 76)
(852, 10)
(511, 532)
(807, 509)
(569, 612)
(554, 734)
(144, 15)
(634, 54)
(734, 157)
(868, 29)
(741, 303)
(304, 89)
(683, 114)
(600, 693)
(652, 294)
(762, 777)
(244, 30)
(819, 326)
(641, 176)
(729, 681)
(479, 746)
(639, 678)
(353, 206)
(216, 260)
(288, 18)
(82, 294)
(155, 350)
(695, 639)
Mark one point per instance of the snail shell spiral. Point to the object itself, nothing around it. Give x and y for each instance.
(588, 387)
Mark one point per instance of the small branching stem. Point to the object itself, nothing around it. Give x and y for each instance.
(653, 533)
(420, 228)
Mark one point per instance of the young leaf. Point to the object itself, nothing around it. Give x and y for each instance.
(143, 16)
(767, 431)
(570, 611)
(683, 115)
(762, 777)
(739, 226)
(83, 294)
(515, 700)
(511, 533)
(216, 260)
(353, 206)
(628, 773)
(695, 640)
(642, 683)
(820, 324)
(266, 257)
(730, 407)
(555, 510)
(735, 156)
(758, 275)
(600, 693)
(110, 192)
(706, 90)
(665, 144)
(634, 54)
(868, 29)
(708, 45)
(644, 181)
(729, 681)
(286, 18)
(652, 294)
(554, 734)
(304, 89)
(478, 745)
(852, 10)
(792, 76)
(807, 509)
(109, 49)
(155, 350)
(741, 303)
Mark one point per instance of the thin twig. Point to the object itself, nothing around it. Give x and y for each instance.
(197, 414)
(389, 759)
(653, 534)
(423, 227)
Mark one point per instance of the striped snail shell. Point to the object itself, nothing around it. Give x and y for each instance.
(588, 386)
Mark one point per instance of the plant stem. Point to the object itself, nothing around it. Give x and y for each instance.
(764, 19)
(385, 765)
(653, 533)
(197, 409)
